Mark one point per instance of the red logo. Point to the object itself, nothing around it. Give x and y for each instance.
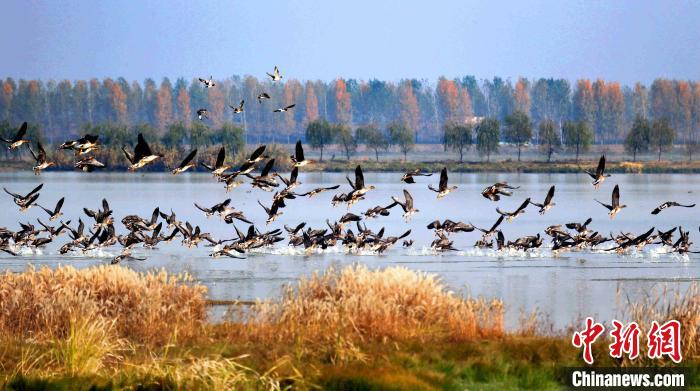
(625, 340)
(586, 338)
(665, 340)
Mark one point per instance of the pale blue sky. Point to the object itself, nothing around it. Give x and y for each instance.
(617, 40)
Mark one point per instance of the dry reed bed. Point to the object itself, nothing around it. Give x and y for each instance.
(357, 303)
(142, 307)
(663, 304)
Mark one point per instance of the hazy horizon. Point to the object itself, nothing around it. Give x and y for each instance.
(626, 41)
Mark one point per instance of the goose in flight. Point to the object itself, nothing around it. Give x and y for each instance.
(283, 109)
(600, 174)
(56, 212)
(615, 206)
(443, 189)
(219, 166)
(318, 190)
(495, 191)
(257, 155)
(266, 180)
(216, 208)
(88, 164)
(291, 183)
(273, 211)
(638, 241)
(186, 163)
(407, 205)
(40, 157)
(358, 188)
(580, 228)
(492, 230)
(298, 157)
(408, 177)
(512, 215)
(202, 113)
(547, 204)
(262, 96)
(237, 109)
(25, 201)
(125, 255)
(18, 140)
(379, 210)
(230, 181)
(83, 145)
(669, 204)
(449, 226)
(208, 83)
(275, 75)
(142, 154)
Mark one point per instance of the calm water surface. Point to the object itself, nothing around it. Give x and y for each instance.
(567, 286)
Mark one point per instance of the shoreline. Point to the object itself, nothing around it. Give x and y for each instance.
(507, 166)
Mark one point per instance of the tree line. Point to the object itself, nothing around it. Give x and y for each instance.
(608, 109)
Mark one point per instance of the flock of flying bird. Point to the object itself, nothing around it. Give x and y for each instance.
(166, 227)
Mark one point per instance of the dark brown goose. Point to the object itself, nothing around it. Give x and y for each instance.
(186, 164)
(547, 204)
(512, 215)
(615, 207)
(408, 177)
(18, 139)
(142, 156)
(219, 167)
(40, 157)
(667, 205)
(56, 212)
(599, 175)
(443, 189)
(298, 157)
(495, 191)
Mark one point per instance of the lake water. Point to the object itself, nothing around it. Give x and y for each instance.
(567, 286)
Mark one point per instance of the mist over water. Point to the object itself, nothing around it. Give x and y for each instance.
(566, 286)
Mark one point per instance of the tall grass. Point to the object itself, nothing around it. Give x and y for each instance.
(148, 308)
(357, 304)
(662, 304)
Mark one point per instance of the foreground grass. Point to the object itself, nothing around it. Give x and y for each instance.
(349, 329)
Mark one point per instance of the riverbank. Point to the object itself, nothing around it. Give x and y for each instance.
(506, 166)
(351, 329)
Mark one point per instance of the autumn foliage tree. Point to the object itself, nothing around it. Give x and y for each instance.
(409, 112)
(311, 105)
(447, 103)
(183, 107)
(522, 95)
(343, 105)
(164, 105)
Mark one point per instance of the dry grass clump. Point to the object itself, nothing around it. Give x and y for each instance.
(356, 303)
(215, 373)
(661, 304)
(142, 307)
